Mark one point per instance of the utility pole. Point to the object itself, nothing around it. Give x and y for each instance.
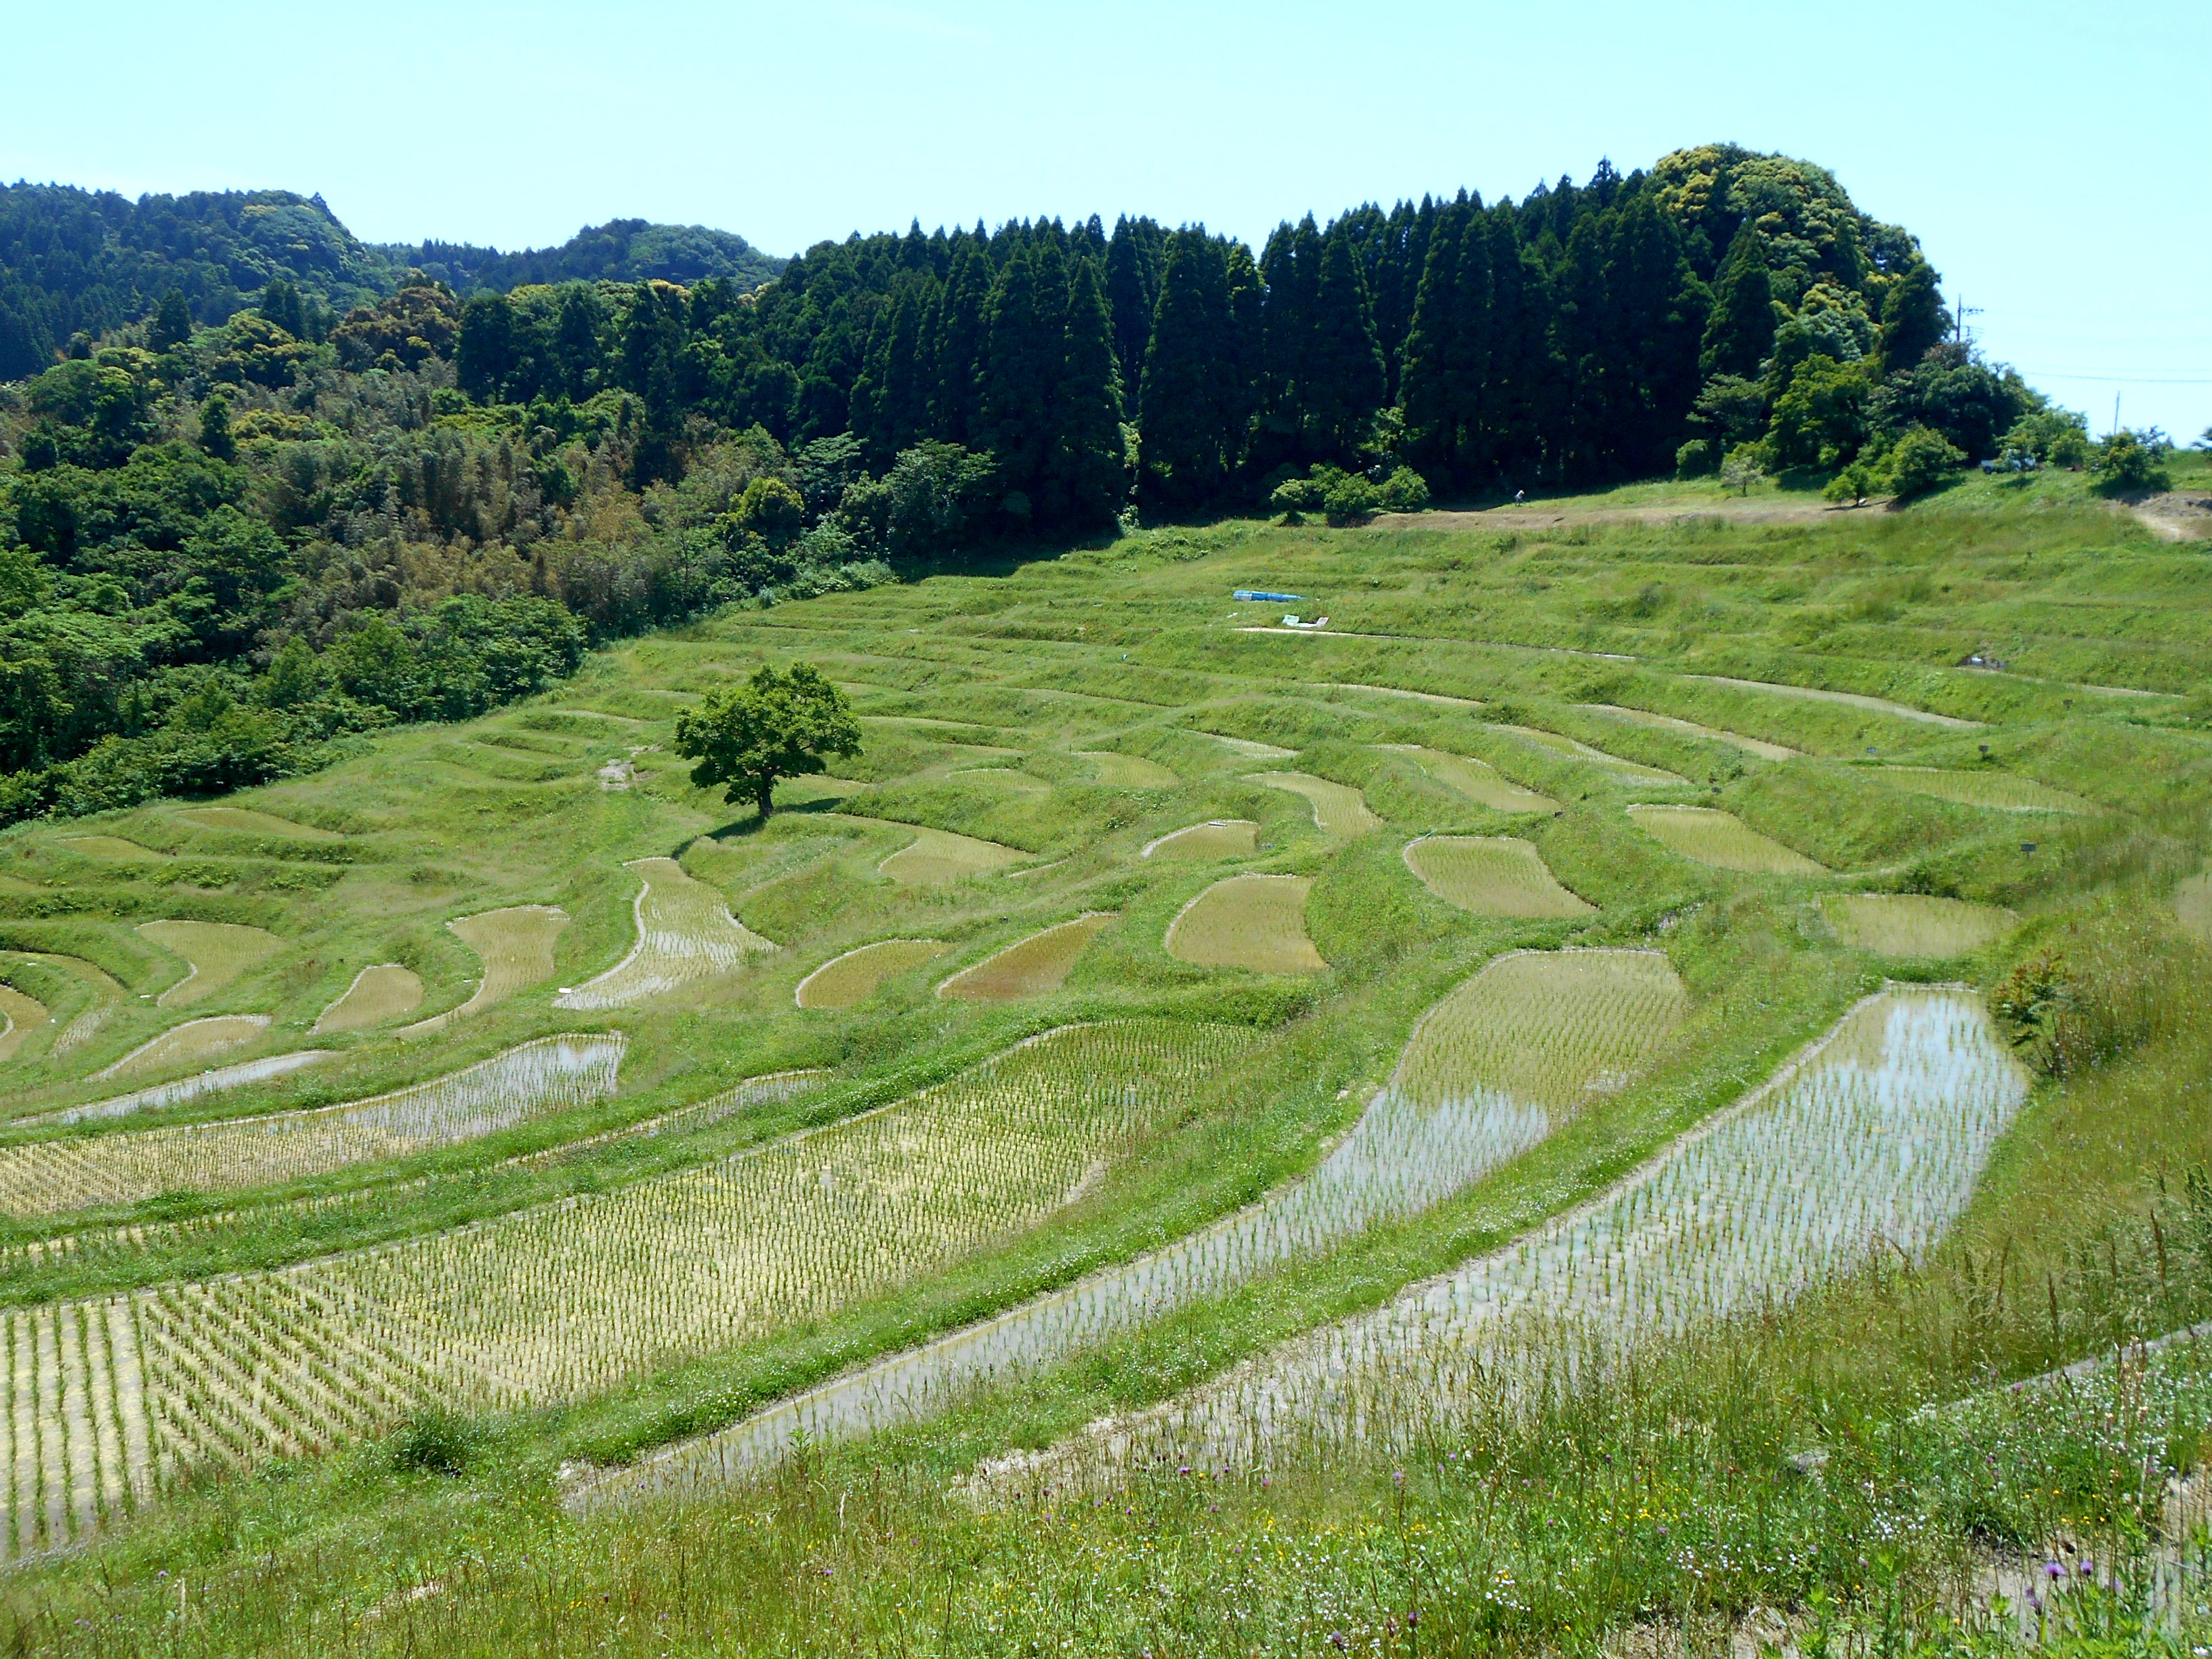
(2115, 414)
(1961, 311)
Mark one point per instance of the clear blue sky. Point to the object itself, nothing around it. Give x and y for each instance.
(2055, 161)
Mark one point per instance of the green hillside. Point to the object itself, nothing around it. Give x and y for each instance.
(1537, 1115)
(77, 262)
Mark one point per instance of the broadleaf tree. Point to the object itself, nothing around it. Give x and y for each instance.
(777, 725)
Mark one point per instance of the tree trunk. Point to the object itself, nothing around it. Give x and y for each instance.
(764, 793)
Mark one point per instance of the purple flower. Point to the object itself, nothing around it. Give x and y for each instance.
(2054, 1569)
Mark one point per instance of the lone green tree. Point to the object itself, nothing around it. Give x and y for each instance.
(774, 725)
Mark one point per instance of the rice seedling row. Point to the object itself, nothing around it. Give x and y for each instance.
(1251, 922)
(1870, 1146)
(2001, 791)
(1032, 966)
(1644, 717)
(685, 934)
(1479, 782)
(378, 994)
(211, 1082)
(1217, 838)
(216, 952)
(1491, 876)
(551, 1074)
(1460, 1105)
(1916, 924)
(516, 946)
(194, 1040)
(1707, 835)
(24, 1015)
(1338, 808)
(770, 1088)
(1575, 749)
(1118, 771)
(938, 858)
(548, 1303)
(855, 976)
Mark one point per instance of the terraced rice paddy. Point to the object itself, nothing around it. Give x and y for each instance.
(1487, 1074)
(1705, 834)
(2001, 791)
(1644, 717)
(1479, 782)
(1436, 698)
(1915, 924)
(1254, 923)
(188, 1044)
(216, 952)
(550, 1303)
(199, 1271)
(1250, 748)
(1338, 808)
(377, 995)
(854, 977)
(25, 1016)
(104, 995)
(938, 858)
(1033, 967)
(1873, 1142)
(999, 777)
(1627, 770)
(1217, 838)
(113, 848)
(1118, 771)
(685, 934)
(516, 946)
(1843, 700)
(244, 820)
(553, 1074)
(211, 1082)
(1491, 876)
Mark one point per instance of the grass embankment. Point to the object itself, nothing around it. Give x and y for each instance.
(1674, 1501)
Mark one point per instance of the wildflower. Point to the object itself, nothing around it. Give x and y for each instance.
(2054, 1569)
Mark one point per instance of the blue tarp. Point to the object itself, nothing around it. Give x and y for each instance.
(1255, 594)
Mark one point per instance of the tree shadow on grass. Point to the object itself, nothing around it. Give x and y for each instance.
(752, 823)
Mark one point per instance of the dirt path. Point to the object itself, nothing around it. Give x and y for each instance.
(2175, 517)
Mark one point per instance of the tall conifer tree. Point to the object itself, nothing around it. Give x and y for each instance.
(1344, 381)
(1087, 473)
(1741, 330)
(1426, 382)
(1186, 445)
(960, 347)
(1912, 317)
(1023, 328)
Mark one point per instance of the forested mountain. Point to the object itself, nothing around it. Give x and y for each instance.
(619, 251)
(223, 547)
(90, 261)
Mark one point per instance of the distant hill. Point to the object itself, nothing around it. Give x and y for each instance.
(75, 260)
(621, 250)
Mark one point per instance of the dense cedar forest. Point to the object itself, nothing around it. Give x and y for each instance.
(262, 486)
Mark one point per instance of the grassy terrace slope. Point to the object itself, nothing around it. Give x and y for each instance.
(1088, 980)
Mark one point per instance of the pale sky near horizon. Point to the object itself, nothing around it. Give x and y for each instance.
(2054, 164)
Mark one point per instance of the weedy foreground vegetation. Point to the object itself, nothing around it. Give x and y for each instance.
(1546, 1117)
